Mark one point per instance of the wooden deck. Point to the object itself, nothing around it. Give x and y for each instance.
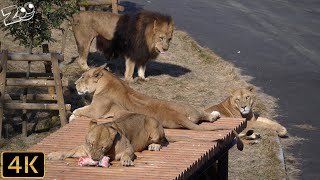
(178, 160)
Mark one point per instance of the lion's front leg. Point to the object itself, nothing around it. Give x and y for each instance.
(128, 75)
(141, 72)
(83, 111)
(79, 151)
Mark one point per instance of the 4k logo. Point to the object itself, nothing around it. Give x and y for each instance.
(23, 164)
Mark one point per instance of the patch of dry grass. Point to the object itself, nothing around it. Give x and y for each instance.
(187, 73)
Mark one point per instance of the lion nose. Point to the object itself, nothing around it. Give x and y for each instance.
(243, 106)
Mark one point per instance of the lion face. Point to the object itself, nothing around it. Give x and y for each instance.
(243, 99)
(162, 36)
(99, 140)
(88, 81)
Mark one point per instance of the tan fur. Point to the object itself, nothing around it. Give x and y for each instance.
(239, 104)
(86, 26)
(112, 94)
(157, 36)
(128, 133)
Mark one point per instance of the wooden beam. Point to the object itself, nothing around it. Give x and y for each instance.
(34, 97)
(32, 57)
(95, 2)
(32, 74)
(3, 74)
(58, 88)
(35, 106)
(34, 82)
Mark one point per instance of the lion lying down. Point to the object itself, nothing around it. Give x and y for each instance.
(111, 94)
(239, 104)
(128, 133)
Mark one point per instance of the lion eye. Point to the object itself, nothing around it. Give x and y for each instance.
(91, 145)
(238, 100)
(161, 38)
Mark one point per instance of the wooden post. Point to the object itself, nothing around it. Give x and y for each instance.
(223, 167)
(58, 87)
(3, 73)
(24, 116)
(47, 66)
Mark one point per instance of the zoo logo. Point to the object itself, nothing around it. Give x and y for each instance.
(14, 14)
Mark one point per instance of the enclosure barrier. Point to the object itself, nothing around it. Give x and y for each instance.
(27, 79)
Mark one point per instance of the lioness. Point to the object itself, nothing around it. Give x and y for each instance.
(119, 139)
(111, 94)
(239, 104)
(138, 37)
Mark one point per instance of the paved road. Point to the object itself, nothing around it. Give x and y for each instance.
(279, 44)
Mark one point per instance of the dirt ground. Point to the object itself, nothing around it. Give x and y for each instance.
(187, 73)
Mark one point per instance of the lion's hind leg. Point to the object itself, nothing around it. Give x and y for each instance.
(130, 64)
(83, 38)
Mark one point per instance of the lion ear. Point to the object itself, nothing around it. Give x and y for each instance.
(232, 91)
(251, 88)
(104, 66)
(93, 123)
(112, 133)
(97, 74)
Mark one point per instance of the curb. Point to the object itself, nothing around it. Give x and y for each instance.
(281, 156)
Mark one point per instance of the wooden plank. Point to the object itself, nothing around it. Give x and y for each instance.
(177, 160)
(35, 106)
(32, 74)
(34, 82)
(58, 88)
(32, 57)
(34, 97)
(95, 2)
(3, 73)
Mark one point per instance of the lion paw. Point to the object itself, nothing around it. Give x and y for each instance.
(127, 162)
(143, 79)
(129, 79)
(154, 147)
(83, 65)
(214, 116)
(72, 117)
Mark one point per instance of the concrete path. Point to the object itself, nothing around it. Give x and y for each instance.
(277, 42)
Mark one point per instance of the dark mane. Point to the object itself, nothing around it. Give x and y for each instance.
(129, 38)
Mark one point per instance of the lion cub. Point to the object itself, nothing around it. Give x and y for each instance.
(119, 139)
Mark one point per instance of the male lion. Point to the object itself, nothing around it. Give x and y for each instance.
(111, 94)
(138, 37)
(119, 139)
(239, 104)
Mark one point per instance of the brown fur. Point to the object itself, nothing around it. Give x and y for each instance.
(111, 94)
(138, 37)
(128, 133)
(239, 104)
